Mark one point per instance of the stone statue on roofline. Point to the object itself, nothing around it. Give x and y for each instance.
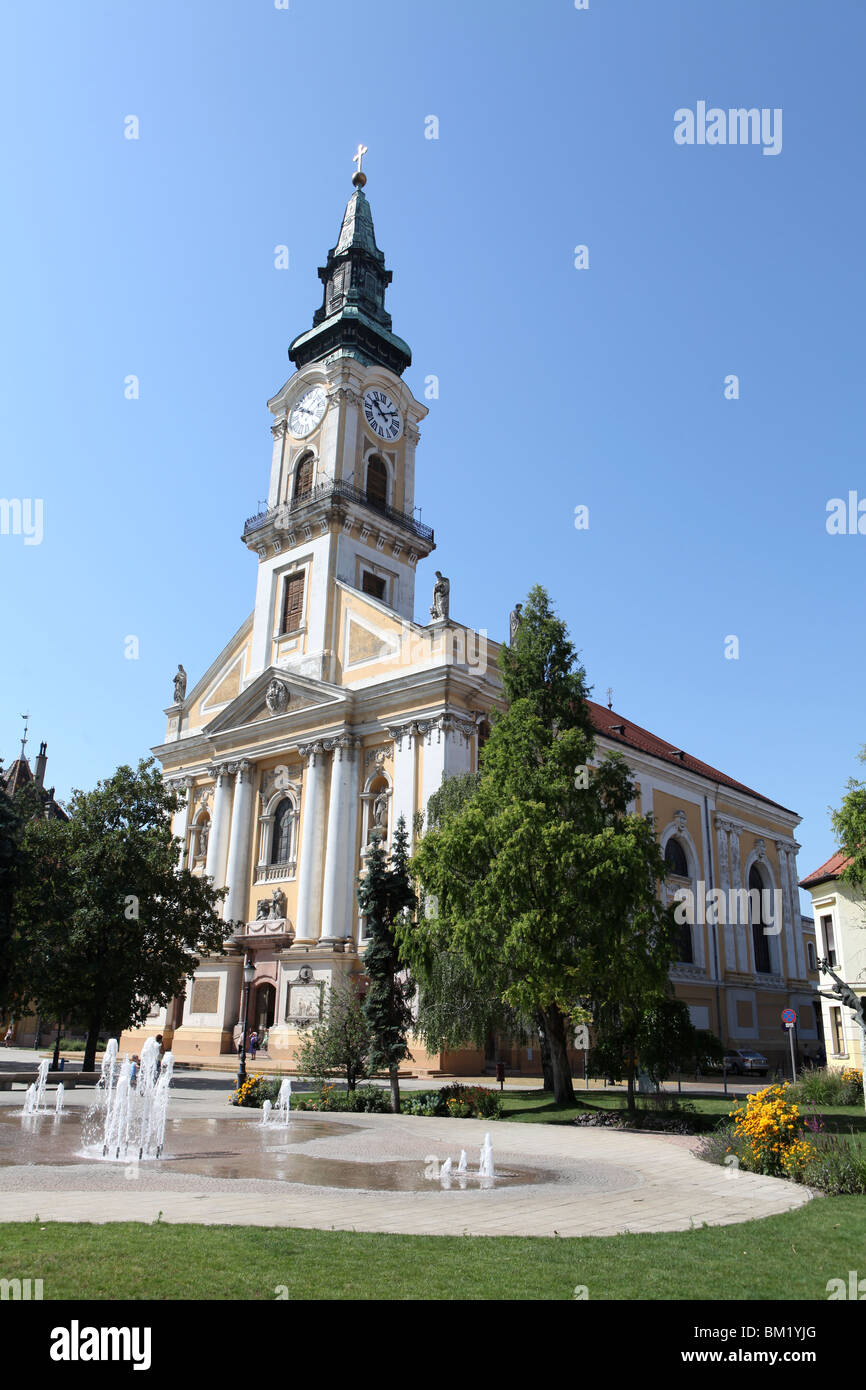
(441, 598)
(514, 622)
(180, 686)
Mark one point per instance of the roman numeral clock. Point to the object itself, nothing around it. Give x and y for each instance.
(382, 415)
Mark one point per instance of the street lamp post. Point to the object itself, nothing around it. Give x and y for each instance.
(249, 976)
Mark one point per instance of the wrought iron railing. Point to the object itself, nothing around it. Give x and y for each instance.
(339, 491)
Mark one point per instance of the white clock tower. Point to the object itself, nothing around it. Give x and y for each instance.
(341, 502)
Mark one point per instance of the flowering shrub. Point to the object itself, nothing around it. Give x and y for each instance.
(829, 1086)
(255, 1091)
(364, 1099)
(479, 1102)
(768, 1131)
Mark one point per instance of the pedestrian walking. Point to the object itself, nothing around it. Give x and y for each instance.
(8, 1038)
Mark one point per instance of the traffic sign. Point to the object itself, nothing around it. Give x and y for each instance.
(789, 1018)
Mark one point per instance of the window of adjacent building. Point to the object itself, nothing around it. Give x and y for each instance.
(829, 940)
(293, 602)
(810, 952)
(303, 478)
(281, 846)
(377, 482)
(836, 1031)
(760, 940)
(373, 584)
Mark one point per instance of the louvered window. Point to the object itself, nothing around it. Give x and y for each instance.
(293, 603)
(377, 482)
(304, 478)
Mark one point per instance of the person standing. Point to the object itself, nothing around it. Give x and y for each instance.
(254, 1044)
(8, 1038)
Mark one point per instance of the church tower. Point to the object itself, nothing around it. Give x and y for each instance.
(341, 501)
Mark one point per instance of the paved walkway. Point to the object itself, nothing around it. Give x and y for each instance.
(586, 1181)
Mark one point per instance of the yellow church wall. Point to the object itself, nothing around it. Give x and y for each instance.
(664, 805)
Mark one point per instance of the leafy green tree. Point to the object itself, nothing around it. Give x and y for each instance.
(109, 923)
(849, 825)
(385, 897)
(12, 865)
(545, 872)
(655, 1035)
(340, 1044)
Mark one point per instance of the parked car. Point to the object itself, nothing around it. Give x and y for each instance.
(746, 1063)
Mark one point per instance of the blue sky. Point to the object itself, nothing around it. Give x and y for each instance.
(558, 387)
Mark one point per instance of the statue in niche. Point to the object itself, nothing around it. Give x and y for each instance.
(278, 906)
(380, 813)
(277, 697)
(441, 598)
(203, 836)
(180, 686)
(514, 622)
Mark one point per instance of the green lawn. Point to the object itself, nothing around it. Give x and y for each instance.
(539, 1107)
(782, 1257)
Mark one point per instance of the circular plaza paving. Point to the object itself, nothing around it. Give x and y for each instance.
(371, 1173)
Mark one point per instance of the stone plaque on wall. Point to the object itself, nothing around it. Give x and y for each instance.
(304, 1003)
(205, 996)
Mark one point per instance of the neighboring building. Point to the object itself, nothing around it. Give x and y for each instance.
(20, 775)
(332, 711)
(840, 917)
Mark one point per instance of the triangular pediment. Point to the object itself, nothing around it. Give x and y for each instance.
(276, 694)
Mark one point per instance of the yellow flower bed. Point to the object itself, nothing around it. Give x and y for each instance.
(769, 1133)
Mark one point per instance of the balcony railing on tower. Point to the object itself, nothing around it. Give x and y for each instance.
(338, 491)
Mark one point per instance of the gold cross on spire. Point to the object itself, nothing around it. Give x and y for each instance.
(359, 178)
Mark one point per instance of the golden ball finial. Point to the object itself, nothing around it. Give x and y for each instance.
(359, 178)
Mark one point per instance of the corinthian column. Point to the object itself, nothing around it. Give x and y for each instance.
(238, 871)
(312, 844)
(338, 894)
(180, 820)
(215, 865)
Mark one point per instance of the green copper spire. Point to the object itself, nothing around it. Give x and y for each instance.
(353, 320)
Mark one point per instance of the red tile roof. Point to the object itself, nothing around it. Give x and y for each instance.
(618, 729)
(832, 869)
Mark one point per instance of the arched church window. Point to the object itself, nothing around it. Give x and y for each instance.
(281, 846)
(675, 858)
(377, 482)
(760, 940)
(303, 478)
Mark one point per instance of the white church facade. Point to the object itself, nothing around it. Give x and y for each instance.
(332, 710)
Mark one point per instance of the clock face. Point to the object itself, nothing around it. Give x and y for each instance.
(382, 415)
(307, 411)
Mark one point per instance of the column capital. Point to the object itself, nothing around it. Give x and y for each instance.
(220, 771)
(343, 746)
(243, 770)
(311, 753)
(179, 784)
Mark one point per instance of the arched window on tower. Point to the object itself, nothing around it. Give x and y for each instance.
(678, 866)
(377, 482)
(303, 478)
(760, 940)
(281, 844)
